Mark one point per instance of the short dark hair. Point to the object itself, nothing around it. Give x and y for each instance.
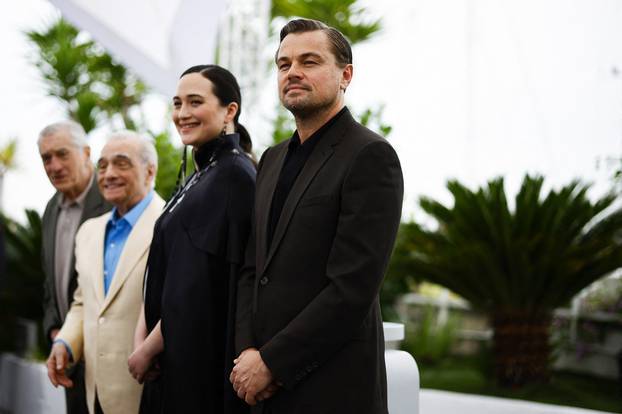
(339, 44)
(226, 88)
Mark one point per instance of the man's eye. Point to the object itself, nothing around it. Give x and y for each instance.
(195, 103)
(309, 62)
(283, 67)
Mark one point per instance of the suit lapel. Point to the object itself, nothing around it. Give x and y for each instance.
(264, 198)
(98, 260)
(136, 245)
(317, 159)
(92, 202)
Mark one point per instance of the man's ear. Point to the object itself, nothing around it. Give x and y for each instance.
(151, 174)
(346, 76)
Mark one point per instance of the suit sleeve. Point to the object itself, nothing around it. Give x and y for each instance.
(246, 281)
(51, 319)
(371, 202)
(72, 330)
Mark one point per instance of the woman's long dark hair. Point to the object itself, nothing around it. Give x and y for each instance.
(227, 90)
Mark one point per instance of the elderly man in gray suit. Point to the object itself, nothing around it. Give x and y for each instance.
(66, 160)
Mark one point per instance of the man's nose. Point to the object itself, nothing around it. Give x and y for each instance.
(54, 165)
(110, 172)
(294, 71)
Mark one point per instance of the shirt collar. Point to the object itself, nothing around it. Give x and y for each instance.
(132, 216)
(317, 135)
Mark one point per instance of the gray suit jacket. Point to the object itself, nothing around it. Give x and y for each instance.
(94, 205)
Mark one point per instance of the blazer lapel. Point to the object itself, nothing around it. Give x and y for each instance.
(98, 260)
(264, 199)
(319, 156)
(136, 245)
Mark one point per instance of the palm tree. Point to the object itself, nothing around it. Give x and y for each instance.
(517, 266)
(7, 163)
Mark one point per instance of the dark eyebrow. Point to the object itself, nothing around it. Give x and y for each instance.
(310, 54)
(301, 57)
(190, 96)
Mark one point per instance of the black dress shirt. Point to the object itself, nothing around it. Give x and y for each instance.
(295, 159)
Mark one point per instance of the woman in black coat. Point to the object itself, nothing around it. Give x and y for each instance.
(196, 253)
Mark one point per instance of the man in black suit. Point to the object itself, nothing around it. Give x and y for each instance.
(66, 160)
(327, 209)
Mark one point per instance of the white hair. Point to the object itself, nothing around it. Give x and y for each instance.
(74, 129)
(147, 151)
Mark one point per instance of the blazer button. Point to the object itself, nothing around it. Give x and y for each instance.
(264, 281)
(102, 320)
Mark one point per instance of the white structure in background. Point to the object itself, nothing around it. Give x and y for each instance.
(157, 39)
(241, 42)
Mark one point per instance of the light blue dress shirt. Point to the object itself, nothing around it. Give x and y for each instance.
(117, 231)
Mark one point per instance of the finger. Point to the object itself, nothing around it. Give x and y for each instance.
(250, 399)
(59, 362)
(65, 381)
(52, 377)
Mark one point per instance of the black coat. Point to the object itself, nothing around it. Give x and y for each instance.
(192, 271)
(311, 303)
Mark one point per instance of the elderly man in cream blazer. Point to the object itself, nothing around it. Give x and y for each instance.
(111, 253)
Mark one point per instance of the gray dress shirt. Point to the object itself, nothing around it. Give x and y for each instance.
(69, 214)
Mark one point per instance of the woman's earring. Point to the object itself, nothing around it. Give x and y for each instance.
(224, 131)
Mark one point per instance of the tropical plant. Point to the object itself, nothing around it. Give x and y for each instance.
(21, 286)
(95, 89)
(343, 15)
(7, 163)
(431, 341)
(398, 279)
(517, 266)
(91, 85)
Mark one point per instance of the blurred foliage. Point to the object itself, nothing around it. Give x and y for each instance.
(7, 156)
(344, 15)
(21, 285)
(398, 279)
(91, 85)
(465, 375)
(517, 266)
(431, 341)
(168, 165)
(96, 89)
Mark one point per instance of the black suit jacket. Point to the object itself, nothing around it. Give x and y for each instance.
(310, 302)
(94, 205)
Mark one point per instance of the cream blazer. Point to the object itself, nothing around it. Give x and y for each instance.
(100, 328)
